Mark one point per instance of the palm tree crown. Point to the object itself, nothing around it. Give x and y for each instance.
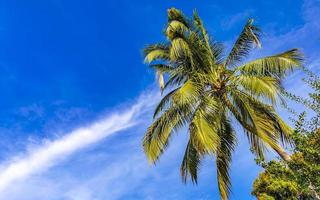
(207, 90)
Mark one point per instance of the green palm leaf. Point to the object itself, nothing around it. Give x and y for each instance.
(278, 65)
(156, 52)
(247, 38)
(224, 157)
(175, 29)
(190, 163)
(259, 86)
(203, 134)
(157, 137)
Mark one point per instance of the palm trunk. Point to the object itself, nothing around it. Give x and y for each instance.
(283, 154)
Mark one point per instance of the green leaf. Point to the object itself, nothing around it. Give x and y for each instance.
(156, 52)
(157, 136)
(224, 157)
(190, 163)
(246, 40)
(259, 86)
(278, 65)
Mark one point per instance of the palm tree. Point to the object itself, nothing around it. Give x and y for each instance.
(208, 90)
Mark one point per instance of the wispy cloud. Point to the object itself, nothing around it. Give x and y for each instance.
(233, 20)
(50, 153)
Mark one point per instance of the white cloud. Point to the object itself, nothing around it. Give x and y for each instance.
(50, 153)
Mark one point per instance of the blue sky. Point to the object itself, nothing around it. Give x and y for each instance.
(77, 65)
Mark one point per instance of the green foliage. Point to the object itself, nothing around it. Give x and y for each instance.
(264, 196)
(298, 178)
(276, 182)
(205, 90)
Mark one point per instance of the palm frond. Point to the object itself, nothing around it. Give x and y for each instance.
(165, 101)
(203, 133)
(189, 93)
(186, 94)
(224, 157)
(217, 49)
(176, 78)
(180, 49)
(190, 163)
(278, 65)
(175, 29)
(246, 40)
(241, 111)
(176, 15)
(164, 68)
(203, 31)
(202, 58)
(157, 136)
(259, 86)
(266, 124)
(156, 52)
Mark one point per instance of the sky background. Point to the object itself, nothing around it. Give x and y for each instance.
(78, 65)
